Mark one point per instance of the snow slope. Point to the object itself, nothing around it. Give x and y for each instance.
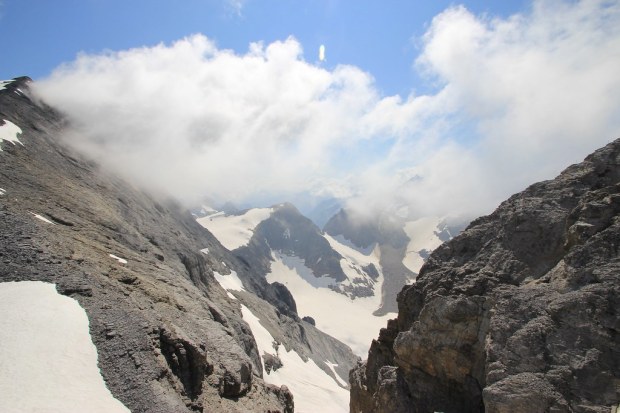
(9, 132)
(229, 282)
(313, 390)
(48, 362)
(423, 239)
(235, 231)
(349, 320)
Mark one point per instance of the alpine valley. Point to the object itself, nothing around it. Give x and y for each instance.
(116, 300)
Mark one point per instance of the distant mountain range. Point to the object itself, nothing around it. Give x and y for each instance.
(344, 277)
(115, 300)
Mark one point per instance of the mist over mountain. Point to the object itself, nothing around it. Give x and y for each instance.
(177, 322)
(191, 119)
(236, 206)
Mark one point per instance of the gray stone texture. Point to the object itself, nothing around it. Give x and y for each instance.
(519, 313)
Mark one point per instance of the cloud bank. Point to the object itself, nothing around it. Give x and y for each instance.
(515, 100)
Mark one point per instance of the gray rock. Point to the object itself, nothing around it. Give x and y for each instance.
(168, 337)
(519, 313)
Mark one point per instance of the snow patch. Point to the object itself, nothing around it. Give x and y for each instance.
(9, 132)
(42, 218)
(48, 361)
(298, 265)
(349, 320)
(205, 251)
(119, 259)
(313, 389)
(229, 282)
(235, 231)
(362, 258)
(3, 84)
(348, 243)
(423, 239)
(2, 192)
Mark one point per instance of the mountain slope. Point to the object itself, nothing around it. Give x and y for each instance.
(335, 285)
(519, 313)
(169, 337)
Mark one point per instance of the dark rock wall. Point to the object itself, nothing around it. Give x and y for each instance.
(519, 313)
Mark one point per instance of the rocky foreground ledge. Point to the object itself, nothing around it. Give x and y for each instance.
(517, 314)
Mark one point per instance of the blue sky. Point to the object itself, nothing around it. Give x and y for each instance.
(444, 107)
(379, 37)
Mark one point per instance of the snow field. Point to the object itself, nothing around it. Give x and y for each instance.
(229, 282)
(313, 390)
(422, 236)
(352, 254)
(350, 321)
(9, 132)
(48, 362)
(234, 231)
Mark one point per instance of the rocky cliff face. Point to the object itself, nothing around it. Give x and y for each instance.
(169, 338)
(519, 313)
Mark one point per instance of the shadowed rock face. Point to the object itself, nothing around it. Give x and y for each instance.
(519, 313)
(168, 337)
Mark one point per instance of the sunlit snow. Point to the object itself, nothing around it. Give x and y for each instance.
(353, 254)
(3, 84)
(313, 389)
(42, 218)
(2, 191)
(9, 132)
(350, 321)
(119, 259)
(422, 236)
(229, 282)
(48, 362)
(235, 231)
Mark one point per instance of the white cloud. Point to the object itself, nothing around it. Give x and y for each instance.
(517, 100)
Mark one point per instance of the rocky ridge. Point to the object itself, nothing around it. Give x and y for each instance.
(519, 313)
(169, 337)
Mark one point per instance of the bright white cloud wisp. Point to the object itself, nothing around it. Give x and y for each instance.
(517, 100)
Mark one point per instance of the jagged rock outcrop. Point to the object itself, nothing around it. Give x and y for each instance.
(519, 313)
(169, 339)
